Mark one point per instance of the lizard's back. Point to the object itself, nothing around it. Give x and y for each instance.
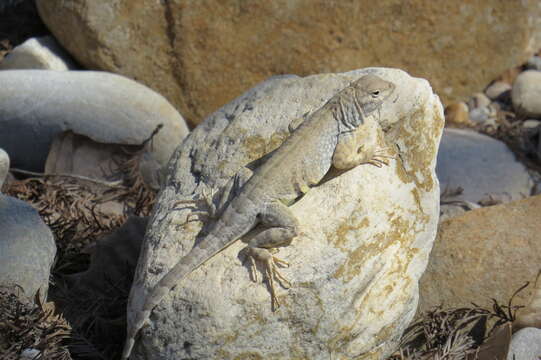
(301, 161)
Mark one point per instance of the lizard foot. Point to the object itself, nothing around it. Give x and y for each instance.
(204, 196)
(381, 158)
(270, 264)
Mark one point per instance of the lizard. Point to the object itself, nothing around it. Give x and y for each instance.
(336, 135)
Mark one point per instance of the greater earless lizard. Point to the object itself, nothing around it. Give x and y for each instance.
(338, 134)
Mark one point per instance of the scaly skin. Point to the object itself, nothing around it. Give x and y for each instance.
(336, 134)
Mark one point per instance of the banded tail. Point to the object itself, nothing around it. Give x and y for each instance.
(211, 245)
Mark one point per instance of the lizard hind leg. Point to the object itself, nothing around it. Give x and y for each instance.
(282, 227)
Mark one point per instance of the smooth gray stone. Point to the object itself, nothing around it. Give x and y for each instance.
(38, 53)
(531, 124)
(478, 100)
(526, 94)
(4, 167)
(498, 90)
(525, 345)
(534, 63)
(35, 105)
(27, 247)
(480, 115)
(482, 166)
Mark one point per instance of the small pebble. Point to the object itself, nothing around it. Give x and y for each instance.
(38, 53)
(30, 354)
(534, 63)
(498, 90)
(457, 114)
(526, 94)
(525, 345)
(4, 166)
(478, 100)
(531, 124)
(483, 115)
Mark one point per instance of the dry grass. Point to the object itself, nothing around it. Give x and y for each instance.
(31, 328)
(455, 334)
(70, 207)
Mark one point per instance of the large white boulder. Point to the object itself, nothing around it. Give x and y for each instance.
(365, 236)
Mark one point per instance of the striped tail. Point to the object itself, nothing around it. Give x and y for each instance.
(218, 239)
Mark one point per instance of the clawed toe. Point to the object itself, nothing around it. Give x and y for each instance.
(271, 264)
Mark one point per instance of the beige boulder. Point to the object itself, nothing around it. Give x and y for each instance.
(484, 254)
(202, 54)
(365, 236)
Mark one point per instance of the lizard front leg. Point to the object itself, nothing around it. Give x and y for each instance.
(282, 227)
(229, 191)
(361, 146)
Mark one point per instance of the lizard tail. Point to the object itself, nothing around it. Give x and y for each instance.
(137, 325)
(142, 317)
(185, 266)
(201, 253)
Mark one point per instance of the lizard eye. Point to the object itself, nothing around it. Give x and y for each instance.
(375, 93)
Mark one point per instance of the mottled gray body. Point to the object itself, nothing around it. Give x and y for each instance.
(328, 137)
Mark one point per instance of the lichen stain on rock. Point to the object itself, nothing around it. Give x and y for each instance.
(339, 236)
(246, 356)
(258, 146)
(400, 230)
(421, 147)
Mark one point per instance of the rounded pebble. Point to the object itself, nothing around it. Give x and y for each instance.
(481, 166)
(4, 166)
(534, 63)
(531, 124)
(457, 113)
(482, 115)
(27, 247)
(478, 100)
(498, 90)
(526, 94)
(525, 345)
(38, 53)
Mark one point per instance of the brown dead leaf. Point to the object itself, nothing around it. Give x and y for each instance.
(31, 326)
(496, 346)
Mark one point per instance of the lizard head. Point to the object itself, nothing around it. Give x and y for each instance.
(371, 91)
(360, 100)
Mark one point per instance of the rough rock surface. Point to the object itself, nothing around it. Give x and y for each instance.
(38, 53)
(35, 105)
(482, 166)
(525, 345)
(526, 93)
(365, 236)
(200, 61)
(483, 254)
(27, 247)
